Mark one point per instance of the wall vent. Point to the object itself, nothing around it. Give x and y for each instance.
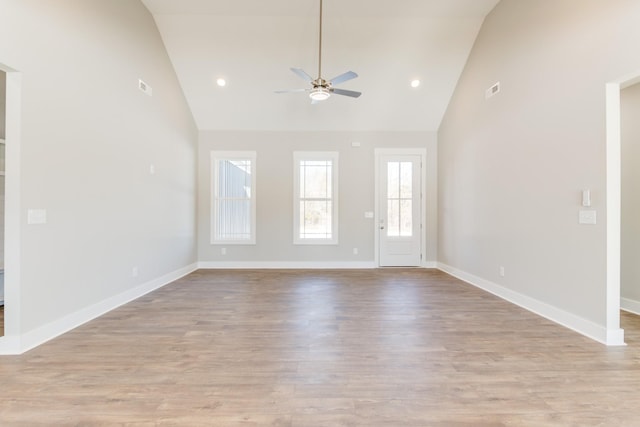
(145, 87)
(492, 90)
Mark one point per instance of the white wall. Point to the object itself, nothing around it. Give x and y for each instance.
(630, 235)
(88, 139)
(3, 88)
(512, 167)
(275, 193)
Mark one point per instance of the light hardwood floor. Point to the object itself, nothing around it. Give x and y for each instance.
(323, 348)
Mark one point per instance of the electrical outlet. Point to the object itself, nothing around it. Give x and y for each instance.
(501, 271)
(355, 251)
(223, 251)
(134, 272)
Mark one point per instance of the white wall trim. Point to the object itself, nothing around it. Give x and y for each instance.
(10, 342)
(9, 345)
(58, 327)
(611, 337)
(286, 265)
(614, 208)
(630, 305)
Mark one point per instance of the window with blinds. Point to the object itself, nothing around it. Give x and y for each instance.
(233, 210)
(315, 197)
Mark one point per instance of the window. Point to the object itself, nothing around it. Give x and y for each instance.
(233, 207)
(315, 197)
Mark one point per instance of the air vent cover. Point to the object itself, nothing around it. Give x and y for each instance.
(492, 90)
(145, 87)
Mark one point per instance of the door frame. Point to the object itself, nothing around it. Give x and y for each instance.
(10, 341)
(378, 153)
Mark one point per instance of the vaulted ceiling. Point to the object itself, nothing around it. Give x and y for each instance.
(253, 43)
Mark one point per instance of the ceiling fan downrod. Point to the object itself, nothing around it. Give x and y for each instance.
(320, 46)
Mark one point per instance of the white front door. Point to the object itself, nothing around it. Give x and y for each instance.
(399, 210)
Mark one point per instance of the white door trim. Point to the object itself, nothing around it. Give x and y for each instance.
(10, 342)
(379, 152)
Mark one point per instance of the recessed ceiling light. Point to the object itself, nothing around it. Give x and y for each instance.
(221, 82)
(415, 83)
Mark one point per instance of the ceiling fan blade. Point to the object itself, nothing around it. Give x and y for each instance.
(291, 90)
(351, 93)
(303, 75)
(343, 78)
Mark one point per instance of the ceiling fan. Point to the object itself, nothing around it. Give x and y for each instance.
(322, 89)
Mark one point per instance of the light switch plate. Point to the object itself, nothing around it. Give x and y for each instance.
(36, 216)
(368, 215)
(587, 217)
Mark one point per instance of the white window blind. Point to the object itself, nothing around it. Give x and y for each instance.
(233, 197)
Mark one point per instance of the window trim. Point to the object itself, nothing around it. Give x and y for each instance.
(216, 156)
(299, 156)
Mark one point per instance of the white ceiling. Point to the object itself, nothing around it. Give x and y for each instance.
(253, 43)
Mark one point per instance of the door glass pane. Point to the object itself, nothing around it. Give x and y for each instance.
(393, 217)
(406, 222)
(399, 199)
(406, 180)
(393, 180)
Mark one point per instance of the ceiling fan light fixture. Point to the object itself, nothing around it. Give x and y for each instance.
(322, 89)
(319, 94)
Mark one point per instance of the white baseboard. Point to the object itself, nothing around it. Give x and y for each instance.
(286, 265)
(290, 265)
(576, 323)
(9, 345)
(630, 305)
(39, 336)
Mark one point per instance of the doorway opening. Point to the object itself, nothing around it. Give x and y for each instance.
(615, 335)
(400, 207)
(630, 212)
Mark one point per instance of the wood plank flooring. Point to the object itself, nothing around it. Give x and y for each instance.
(392, 348)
